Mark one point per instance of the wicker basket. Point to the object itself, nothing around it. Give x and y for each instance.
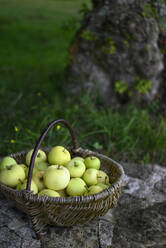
(65, 211)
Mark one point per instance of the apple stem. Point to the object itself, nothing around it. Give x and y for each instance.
(38, 155)
(86, 188)
(8, 167)
(20, 181)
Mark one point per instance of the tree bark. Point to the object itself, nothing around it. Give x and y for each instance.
(117, 52)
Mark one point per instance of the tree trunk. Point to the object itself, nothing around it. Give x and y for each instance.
(117, 52)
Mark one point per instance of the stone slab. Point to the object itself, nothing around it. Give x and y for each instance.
(138, 221)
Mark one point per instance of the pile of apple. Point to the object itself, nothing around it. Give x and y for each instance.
(56, 175)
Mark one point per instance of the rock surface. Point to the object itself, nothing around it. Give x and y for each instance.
(116, 53)
(138, 221)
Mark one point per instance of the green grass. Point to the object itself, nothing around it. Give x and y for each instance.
(35, 37)
(33, 44)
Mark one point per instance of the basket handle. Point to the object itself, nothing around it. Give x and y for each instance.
(74, 140)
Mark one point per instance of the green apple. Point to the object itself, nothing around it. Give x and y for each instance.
(78, 158)
(6, 161)
(33, 172)
(103, 186)
(23, 184)
(102, 177)
(39, 180)
(62, 192)
(94, 189)
(90, 176)
(49, 192)
(41, 166)
(92, 162)
(56, 177)
(40, 157)
(76, 187)
(23, 166)
(76, 168)
(58, 155)
(11, 175)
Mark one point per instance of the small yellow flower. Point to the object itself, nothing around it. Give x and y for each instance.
(12, 141)
(58, 127)
(38, 93)
(15, 128)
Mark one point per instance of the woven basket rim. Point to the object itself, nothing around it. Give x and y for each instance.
(71, 199)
